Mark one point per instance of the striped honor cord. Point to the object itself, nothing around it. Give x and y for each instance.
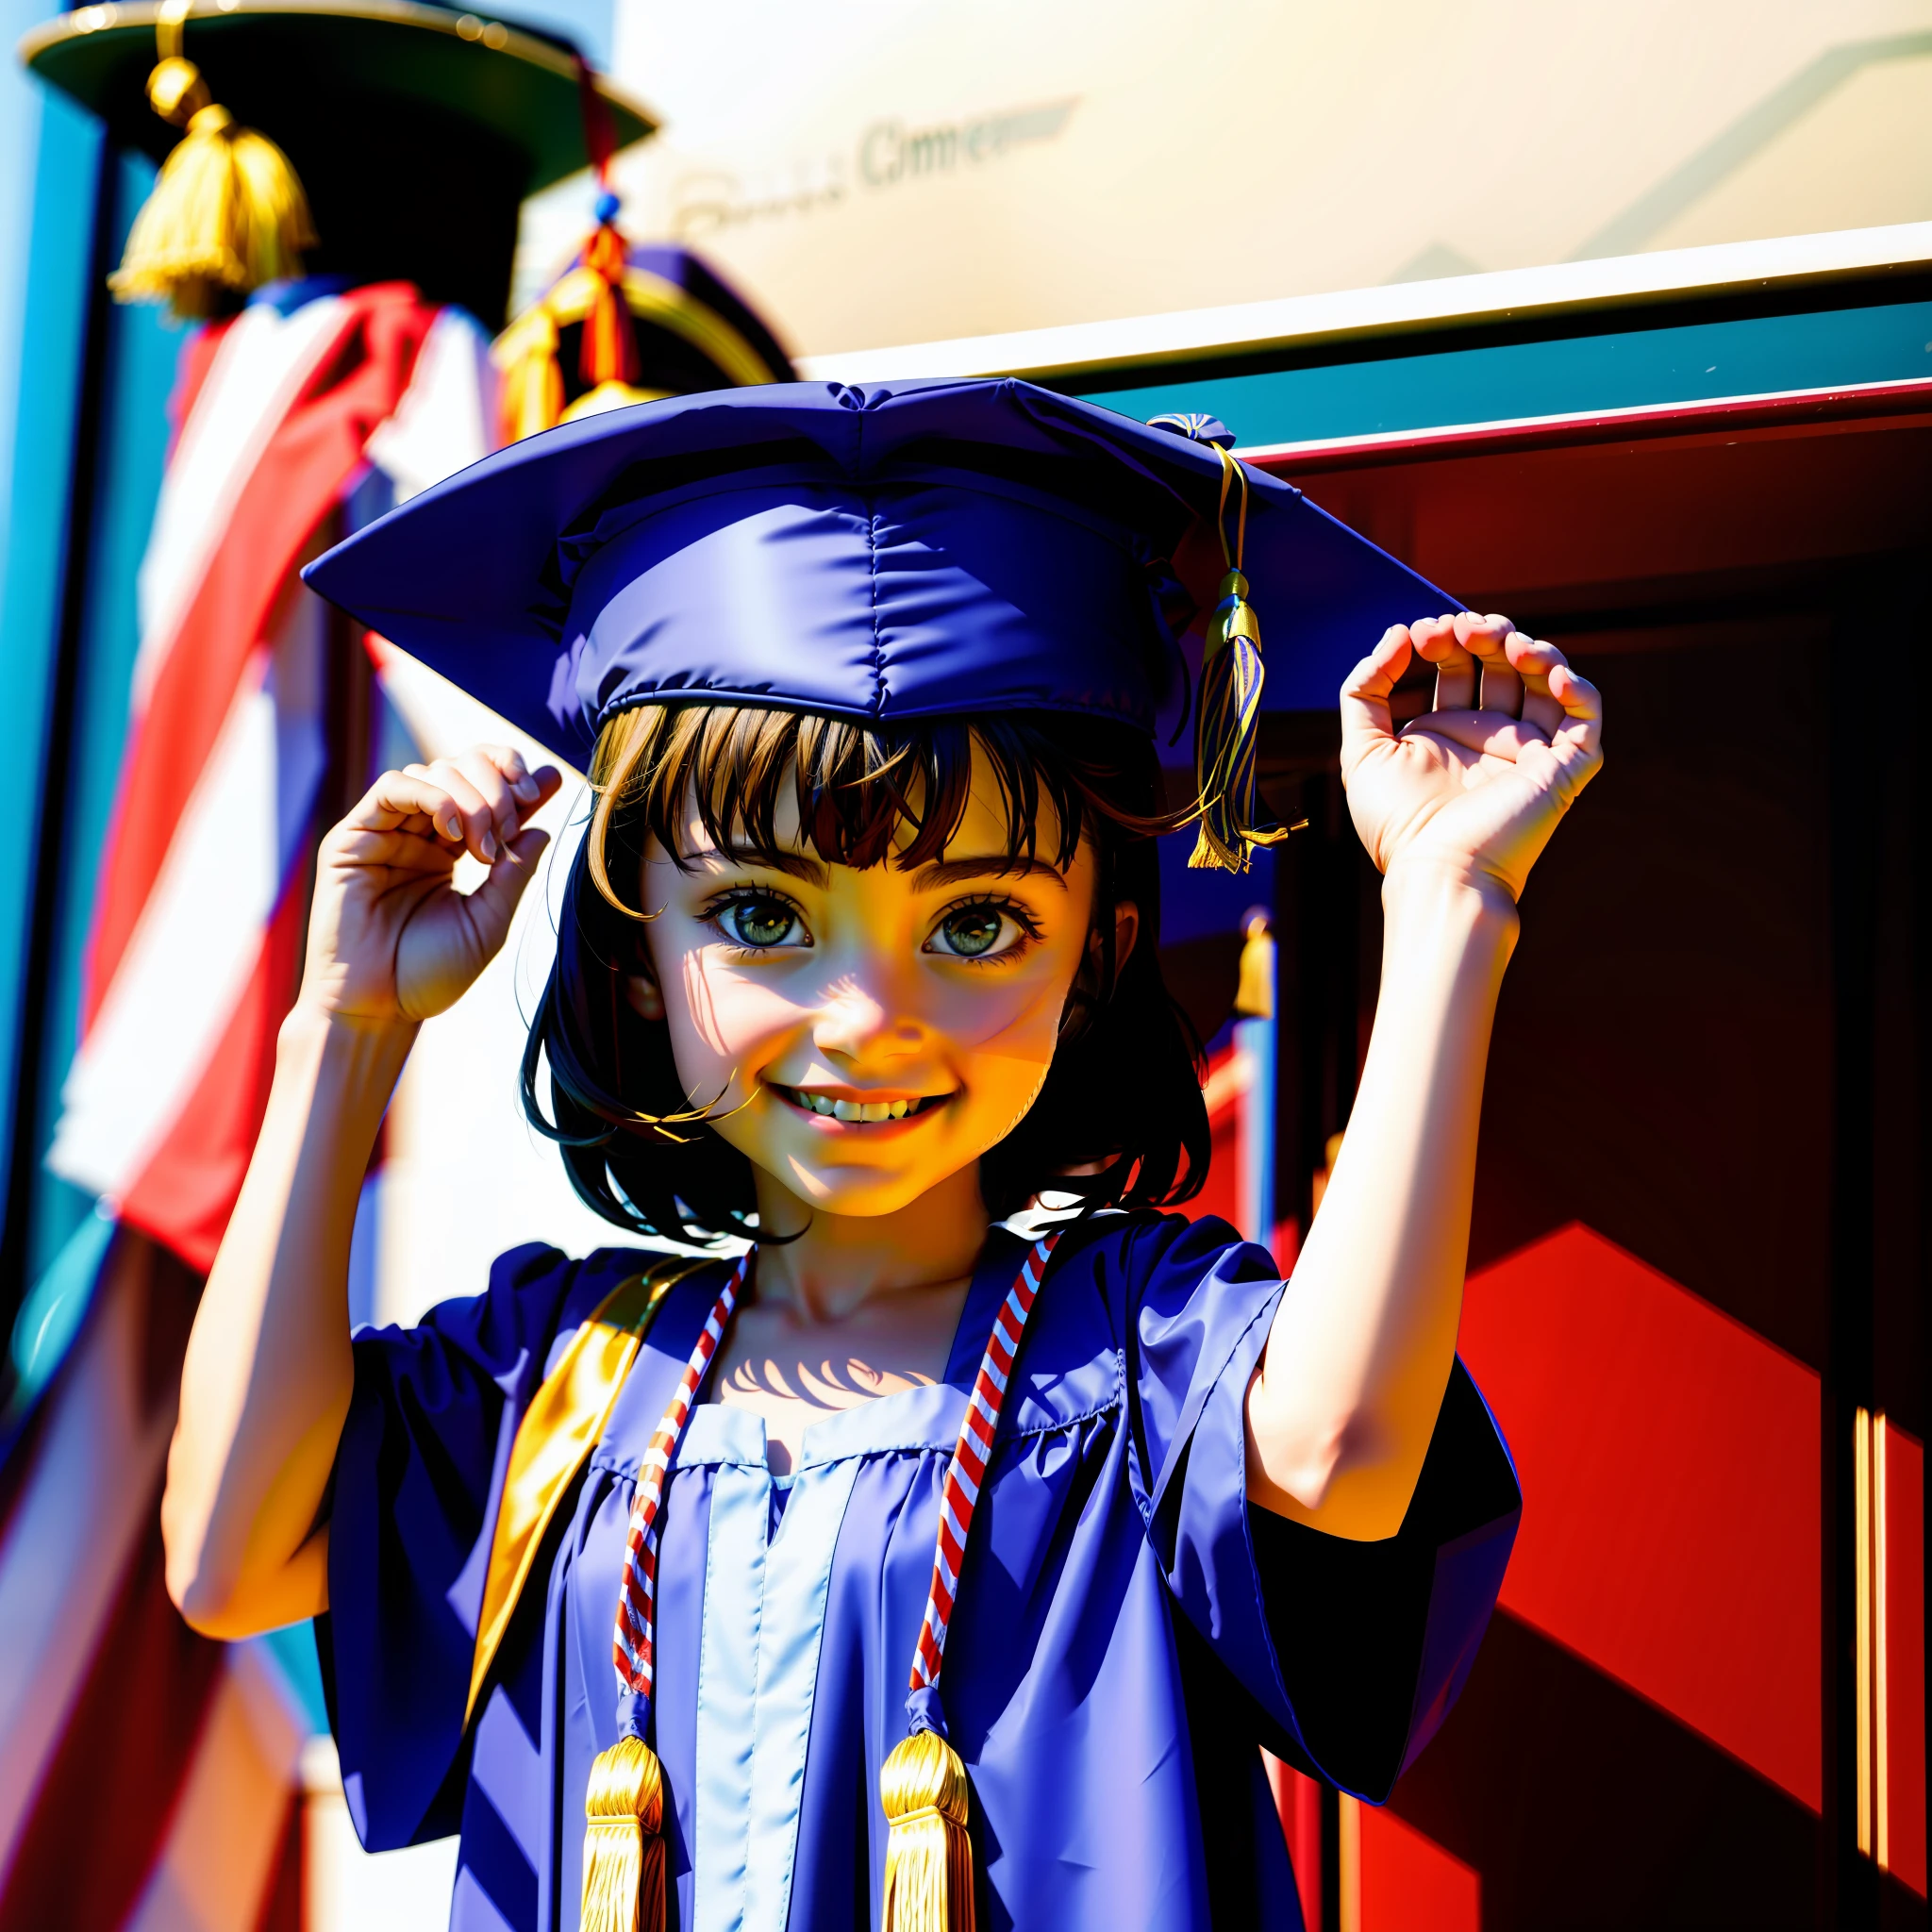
(970, 1454)
(633, 1647)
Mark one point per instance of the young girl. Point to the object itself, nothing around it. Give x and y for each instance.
(904, 1568)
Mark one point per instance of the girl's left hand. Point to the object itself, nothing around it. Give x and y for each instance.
(1477, 784)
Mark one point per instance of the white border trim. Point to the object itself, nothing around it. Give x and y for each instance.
(1635, 413)
(1399, 308)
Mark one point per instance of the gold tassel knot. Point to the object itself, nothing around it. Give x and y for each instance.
(226, 215)
(624, 1841)
(928, 1848)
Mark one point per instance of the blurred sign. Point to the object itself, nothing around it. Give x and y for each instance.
(873, 171)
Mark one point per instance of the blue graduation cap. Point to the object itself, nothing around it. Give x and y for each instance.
(891, 553)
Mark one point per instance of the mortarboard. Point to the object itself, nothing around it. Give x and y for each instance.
(897, 552)
(415, 128)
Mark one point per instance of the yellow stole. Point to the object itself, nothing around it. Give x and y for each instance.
(564, 1424)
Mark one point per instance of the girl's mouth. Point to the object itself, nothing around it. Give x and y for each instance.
(855, 1111)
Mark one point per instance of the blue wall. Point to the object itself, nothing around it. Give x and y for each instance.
(49, 207)
(142, 351)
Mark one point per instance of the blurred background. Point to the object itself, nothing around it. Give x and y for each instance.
(1615, 318)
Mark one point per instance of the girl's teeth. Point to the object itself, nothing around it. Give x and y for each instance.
(854, 1109)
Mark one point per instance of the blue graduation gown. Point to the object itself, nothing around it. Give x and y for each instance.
(1128, 1628)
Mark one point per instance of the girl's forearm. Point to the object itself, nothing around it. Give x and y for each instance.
(1341, 1411)
(266, 1382)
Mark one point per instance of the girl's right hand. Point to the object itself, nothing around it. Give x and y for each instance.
(390, 938)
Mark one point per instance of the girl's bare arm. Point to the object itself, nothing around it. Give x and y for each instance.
(1455, 807)
(266, 1383)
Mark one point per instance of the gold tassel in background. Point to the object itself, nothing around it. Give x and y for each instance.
(593, 291)
(226, 215)
(624, 1841)
(531, 394)
(928, 1849)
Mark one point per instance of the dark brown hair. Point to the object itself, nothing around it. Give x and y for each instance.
(1120, 1118)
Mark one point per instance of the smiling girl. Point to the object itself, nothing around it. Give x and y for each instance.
(907, 1568)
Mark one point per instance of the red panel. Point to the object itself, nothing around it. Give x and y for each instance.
(1221, 1195)
(1670, 1467)
(1410, 1884)
(1298, 1800)
(1905, 1658)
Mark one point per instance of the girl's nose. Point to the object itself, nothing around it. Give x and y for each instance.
(856, 1022)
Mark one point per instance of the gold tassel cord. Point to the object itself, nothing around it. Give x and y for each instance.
(624, 1841)
(928, 1848)
(227, 213)
(1228, 717)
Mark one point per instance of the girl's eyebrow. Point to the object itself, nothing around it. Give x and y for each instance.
(954, 871)
(798, 865)
(929, 878)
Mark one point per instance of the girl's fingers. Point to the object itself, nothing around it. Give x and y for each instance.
(1534, 662)
(529, 788)
(1436, 643)
(494, 901)
(1366, 718)
(1579, 741)
(411, 802)
(493, 787)
(479, 822)
(1487, 639)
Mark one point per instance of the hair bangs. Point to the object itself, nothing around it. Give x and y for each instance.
(859, 795)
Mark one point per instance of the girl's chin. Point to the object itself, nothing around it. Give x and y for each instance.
(859, 1187)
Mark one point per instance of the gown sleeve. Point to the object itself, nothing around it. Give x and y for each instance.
(1353, 1652)
(412, 1508)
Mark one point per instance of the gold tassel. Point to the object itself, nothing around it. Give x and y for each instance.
(928, 1849)
(1227, 726)
(624, 1841)
(531, 398)
(226, 214)
(1254, 997)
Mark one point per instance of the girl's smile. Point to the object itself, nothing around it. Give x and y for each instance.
(847, 1107)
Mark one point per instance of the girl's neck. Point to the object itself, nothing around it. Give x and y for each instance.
(839, 1262)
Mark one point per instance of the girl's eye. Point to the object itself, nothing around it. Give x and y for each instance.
(760, 922)
(976, 932)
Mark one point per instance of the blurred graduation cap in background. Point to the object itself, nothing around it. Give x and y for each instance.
(628, 324)
(365, 141)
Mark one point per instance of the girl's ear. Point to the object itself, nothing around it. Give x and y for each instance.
(645, 997)
(1091, 989)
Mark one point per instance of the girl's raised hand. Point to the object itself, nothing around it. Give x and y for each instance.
(1478, 783)
(391, 940)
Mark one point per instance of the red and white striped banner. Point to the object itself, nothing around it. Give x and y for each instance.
(194, 951)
